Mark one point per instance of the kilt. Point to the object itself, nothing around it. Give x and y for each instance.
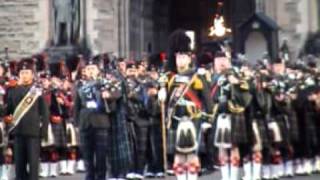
(172, 135)
(294, 127)
(282, 121)
(310, 134)
(317, 123)
(120, 155)
(238, 134)
(204, 144)
(263, 131)
(239, 129)
(60, 135)
(222, 133)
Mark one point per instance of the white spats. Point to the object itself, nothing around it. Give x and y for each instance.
(44, 170)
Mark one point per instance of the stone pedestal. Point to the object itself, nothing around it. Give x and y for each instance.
(57, 54)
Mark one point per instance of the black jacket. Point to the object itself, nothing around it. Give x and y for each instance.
(35, 122)
(97, 117)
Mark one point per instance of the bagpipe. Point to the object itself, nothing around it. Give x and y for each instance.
(232, 100)
(110, 84)
(133, 87)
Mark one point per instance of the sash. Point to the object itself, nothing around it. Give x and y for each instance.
(24, 106)
(173, 101)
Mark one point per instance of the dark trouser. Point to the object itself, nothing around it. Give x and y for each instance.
(154, 149)
(140, 151)
(94, 143)
(27, 152)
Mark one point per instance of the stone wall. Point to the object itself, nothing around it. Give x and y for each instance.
(23, 26)
(148, 27)
(127, 28)
(296, 18)
(102, 25)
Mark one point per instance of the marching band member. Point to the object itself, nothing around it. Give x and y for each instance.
(155, 141)
(4, 144)
(45, 80)
(28, 114)
(139, 123)
(187, 101)
(59, 109)
(80, 79)
(232, 98)
(306, 113)
(92, 116)
(260, 110)
(120, 153)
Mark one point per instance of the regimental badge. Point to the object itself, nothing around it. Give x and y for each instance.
(29, 100)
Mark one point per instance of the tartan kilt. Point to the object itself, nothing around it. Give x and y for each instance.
(317, 123)
(205, 143)
(120, 153)
(294, 128)
(282, 121)
(310, 129)
(60, 135)
(263, 130)
(172, 132)
(239, 130)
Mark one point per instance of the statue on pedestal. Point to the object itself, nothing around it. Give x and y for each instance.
(66, 14)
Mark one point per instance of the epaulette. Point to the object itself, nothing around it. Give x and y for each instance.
(197, 84)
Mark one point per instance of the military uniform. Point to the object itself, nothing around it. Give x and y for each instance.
(120, 153)
(155, 142)
(94, 124)
(60, 119)
(139, 124)
(27, 133)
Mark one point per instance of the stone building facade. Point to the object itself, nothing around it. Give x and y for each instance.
(134, 28)
(297, 18)
(24, 27)
(128, 28)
